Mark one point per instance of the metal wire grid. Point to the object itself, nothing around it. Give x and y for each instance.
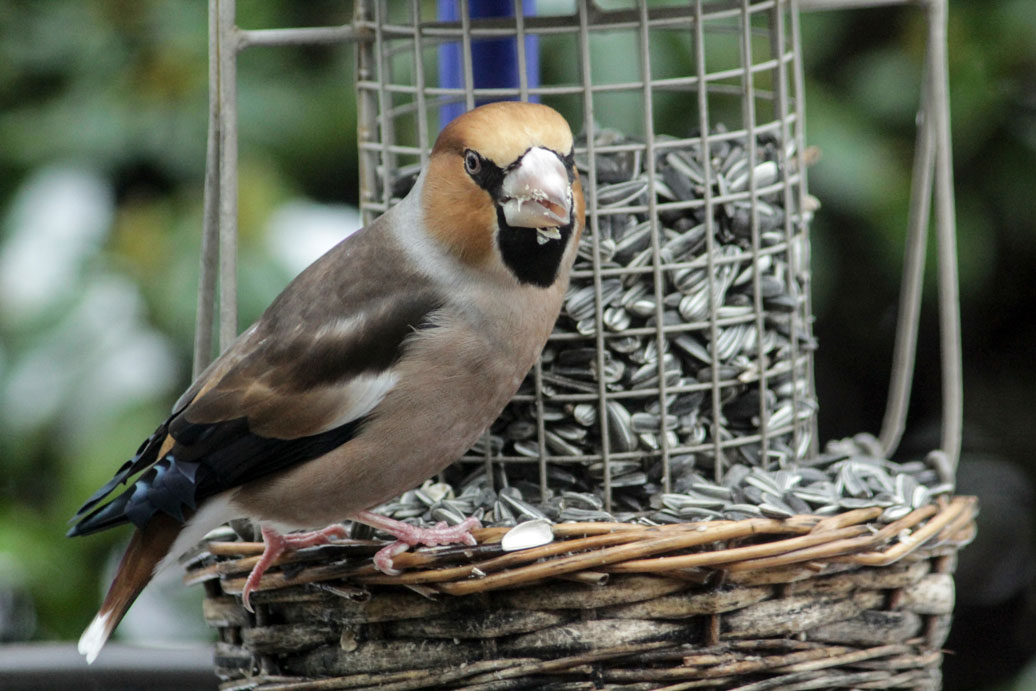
(388, 98)
(397, 84)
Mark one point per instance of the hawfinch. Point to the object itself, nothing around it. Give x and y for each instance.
(377, 366)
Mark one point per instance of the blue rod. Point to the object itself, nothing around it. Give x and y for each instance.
(494, 61)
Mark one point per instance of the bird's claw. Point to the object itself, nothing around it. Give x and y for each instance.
(383, 559)
(410, 536)
(277, 544)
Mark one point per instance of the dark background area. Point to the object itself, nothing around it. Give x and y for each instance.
(102, 147)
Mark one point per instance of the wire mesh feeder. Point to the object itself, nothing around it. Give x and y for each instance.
(685, 341)
(676, 522)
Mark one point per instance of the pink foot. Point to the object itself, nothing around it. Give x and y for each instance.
(409, 535)
(277, 544)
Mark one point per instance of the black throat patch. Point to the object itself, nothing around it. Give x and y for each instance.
(528, 259)
(531, 257)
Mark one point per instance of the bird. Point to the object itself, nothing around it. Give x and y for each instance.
(375, 368)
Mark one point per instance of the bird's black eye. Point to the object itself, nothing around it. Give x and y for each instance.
(472, 162)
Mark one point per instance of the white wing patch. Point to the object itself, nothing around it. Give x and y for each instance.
(363, 393)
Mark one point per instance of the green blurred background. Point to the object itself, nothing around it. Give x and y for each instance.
(102, 147)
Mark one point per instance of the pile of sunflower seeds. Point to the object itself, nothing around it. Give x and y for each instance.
(849, 474)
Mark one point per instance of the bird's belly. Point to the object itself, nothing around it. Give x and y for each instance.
(432, 417)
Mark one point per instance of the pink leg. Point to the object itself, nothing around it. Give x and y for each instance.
(277, 544)
(408, 536)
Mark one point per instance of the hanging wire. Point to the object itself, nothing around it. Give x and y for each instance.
(946, 231)
(932, 180)
(227, 175)
(908, 321)
(208, 271)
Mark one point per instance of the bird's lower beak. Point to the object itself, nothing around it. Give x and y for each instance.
(537, 193)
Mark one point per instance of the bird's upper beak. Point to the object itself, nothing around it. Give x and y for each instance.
(537, 193)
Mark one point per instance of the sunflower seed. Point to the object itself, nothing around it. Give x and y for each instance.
(445, 513)
(894, 513)
(521, 429)
(765, 174)
(519, 507)
(577, 514)
(775, 511)
(527, 535)
(559, 445)
(617, 319)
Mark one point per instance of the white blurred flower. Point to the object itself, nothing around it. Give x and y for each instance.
(100, 357)
(58, 218)
(298, 232)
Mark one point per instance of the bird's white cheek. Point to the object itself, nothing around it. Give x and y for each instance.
(364, 393)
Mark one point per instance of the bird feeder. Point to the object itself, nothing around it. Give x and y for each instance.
(658, 507)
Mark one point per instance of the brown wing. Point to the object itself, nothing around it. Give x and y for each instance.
(297, 384)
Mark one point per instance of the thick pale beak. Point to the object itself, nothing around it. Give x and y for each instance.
(537, 193)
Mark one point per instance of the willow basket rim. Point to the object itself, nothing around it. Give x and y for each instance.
(590, 551)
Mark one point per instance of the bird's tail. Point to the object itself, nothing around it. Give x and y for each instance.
(146, 549)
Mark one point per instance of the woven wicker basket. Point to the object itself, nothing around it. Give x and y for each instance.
(801, 603)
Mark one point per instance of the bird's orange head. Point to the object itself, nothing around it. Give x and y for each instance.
(501, 185)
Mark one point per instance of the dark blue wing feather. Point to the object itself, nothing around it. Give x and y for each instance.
(224, 455)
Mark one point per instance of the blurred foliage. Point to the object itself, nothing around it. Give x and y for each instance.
(116, 92)
(863, 72)
(123, 99)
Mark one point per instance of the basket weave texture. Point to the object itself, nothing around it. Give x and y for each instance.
(801, 603)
